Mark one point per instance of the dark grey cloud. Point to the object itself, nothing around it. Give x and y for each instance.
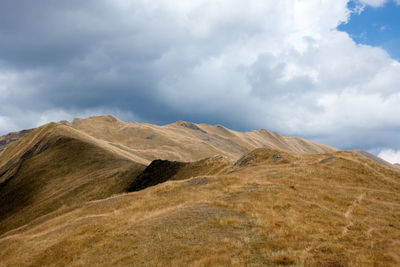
(260, 64)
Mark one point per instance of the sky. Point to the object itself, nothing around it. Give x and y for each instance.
(376, 26)
(326, 70)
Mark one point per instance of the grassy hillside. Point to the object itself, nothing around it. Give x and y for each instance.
(201, 195)
(9, 138)
(186, 141)
(160, 171)
(268, 208)
(55, 167)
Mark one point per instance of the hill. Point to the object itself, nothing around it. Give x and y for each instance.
(375, 158)
(62, 165)
(9, 138)
(102, 192)
(186, 141)
(55, 166)
(335, 209)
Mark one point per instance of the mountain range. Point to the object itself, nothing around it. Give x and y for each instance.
(100, 191)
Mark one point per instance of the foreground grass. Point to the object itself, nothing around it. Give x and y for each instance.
(335, 209)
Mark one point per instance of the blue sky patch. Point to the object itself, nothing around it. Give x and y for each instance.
(376, 26)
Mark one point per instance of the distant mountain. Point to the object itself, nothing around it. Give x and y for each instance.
(99, 191)
(186, 141)
(7, 139)
(65, 164)
(375, 158)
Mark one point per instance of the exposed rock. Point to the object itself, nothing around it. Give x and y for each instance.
(199, 181)
(327, 160)
(265, 155)
(190, 125)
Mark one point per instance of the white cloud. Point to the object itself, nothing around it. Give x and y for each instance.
(374, 3)
(390, 155)
(280, 65)
(6, 124)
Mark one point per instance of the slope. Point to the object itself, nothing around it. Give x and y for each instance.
(10, 138)
(57, 167)
(375, 158)
(269, 208)
(65, 164)
(186, 141)
(160, 171)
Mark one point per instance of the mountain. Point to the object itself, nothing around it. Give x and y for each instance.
(181, 140)
(100, 191)
(375, 158)
(62, 165)
(57, 167)
(186, 141)
(7, 139)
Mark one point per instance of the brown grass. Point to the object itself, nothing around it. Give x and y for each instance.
(334, 209)
(284, 259)
(247, 216)
(56, 171)
(185, 141)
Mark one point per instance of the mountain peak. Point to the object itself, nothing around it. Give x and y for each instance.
(188, 125)
(101, 118)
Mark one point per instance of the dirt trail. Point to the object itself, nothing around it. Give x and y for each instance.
(348, 212)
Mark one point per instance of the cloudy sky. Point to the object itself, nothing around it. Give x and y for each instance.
(324, 70)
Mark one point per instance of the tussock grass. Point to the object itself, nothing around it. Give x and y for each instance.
(333, 209)
(52, 169)
(243, 216)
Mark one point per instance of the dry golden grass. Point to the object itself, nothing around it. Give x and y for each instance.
(185, 141)
(65, 203)
(336, 209)
(52, 169)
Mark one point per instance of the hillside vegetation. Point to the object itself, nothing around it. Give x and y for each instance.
(55, 167)
(186, 141)
(84, 194)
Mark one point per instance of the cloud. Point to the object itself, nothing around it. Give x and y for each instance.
(374, 3)
(390, 155)
(281, 65)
